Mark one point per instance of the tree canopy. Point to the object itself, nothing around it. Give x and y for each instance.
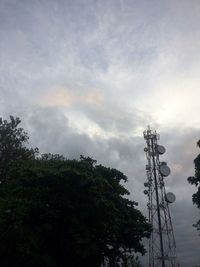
(195, 180)
(12, 145)
(59, 212)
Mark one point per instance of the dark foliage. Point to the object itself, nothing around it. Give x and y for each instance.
(12, 145)
(57, 212)
(195, 180)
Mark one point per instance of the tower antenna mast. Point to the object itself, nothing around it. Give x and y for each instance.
(162, 246)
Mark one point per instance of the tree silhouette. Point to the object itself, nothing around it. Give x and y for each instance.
(195, 180)
(58, 212)
(12, 145)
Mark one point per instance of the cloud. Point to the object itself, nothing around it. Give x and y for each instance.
(88, 78)
(59, 98)
(64, 97)
(50, 130)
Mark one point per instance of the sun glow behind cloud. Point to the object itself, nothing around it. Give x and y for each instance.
(71, 103)
(64, 97)
(58, 98)
(177, 104)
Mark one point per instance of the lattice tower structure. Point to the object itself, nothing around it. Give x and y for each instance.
(162, 246)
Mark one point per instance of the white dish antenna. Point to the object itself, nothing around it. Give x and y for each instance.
(170, 197)
(160, 149)
(164, 170)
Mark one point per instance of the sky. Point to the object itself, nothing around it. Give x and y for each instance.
(88, 76)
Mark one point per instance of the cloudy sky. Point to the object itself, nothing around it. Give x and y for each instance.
(87, 77)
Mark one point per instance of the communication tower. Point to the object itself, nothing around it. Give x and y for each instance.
(162, 246)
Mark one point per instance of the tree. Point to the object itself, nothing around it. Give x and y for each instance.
(195, 180)
(130, 260)
(12, 145)
(58, 212)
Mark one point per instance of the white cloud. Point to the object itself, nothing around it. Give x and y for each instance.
(88, 78)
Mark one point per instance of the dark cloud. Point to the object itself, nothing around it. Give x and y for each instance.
(187, 238)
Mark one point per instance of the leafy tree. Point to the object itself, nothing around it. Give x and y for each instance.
(57, 212)
(12, 145)
(130, 260)
(195, 180)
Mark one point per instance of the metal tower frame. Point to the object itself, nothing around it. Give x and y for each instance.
(162, 246)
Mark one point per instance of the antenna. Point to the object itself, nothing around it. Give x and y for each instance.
(162, 246)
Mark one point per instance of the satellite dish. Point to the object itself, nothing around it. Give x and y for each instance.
(164, 170)
(145, 192)
(170, 197)
(160, 149)
(145, 149)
